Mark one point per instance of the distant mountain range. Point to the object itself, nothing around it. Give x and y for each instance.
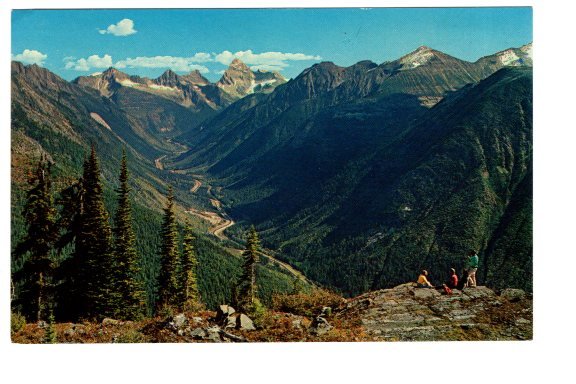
(199, 97)
(359, 176)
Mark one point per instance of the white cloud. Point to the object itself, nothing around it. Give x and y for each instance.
(30, 56)
(124, 27)
(89, 63)
(179, 64)
(264, 60)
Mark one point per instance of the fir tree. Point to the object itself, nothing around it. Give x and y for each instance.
(127, 285)
(169, 282)
(50, 332)
(69, 283)
(247, 284)
(35, 277)
(191, 295)
(94, 247)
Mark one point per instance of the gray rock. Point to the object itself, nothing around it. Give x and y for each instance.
(243, 322)
(213, 334)
(426, 293)
(223, 312)
(42, 324)
(108, 321)
(513, 294)
(230, 321)
(320, 326)
(199, 333)
(198, 320)
(178, 322)
(478, 292)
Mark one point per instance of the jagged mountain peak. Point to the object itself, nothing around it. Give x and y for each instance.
(195, 77)
(114, 72)
(238, 64)
(168, 78)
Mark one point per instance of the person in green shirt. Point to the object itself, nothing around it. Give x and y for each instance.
(471, 267)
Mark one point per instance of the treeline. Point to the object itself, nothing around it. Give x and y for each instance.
(75, 263)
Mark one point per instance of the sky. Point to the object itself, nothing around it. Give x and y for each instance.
(146, 42)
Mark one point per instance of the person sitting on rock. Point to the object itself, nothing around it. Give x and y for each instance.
(452, 282)
(423, 281)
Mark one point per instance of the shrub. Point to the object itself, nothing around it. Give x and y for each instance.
(306, 304)
(257, 312)
(131, 336)
(17, 322)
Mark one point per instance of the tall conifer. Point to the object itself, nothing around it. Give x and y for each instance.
(127, 285)
(169, 282)
(35, 278)
(247, 284)
(69, 288)
(191, 299)
(94, 247)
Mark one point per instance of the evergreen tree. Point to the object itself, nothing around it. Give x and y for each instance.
(127, 285)
(50, 332)
(35, 277)
(169, 282)
(191, 295)
(247, 284)
(94, 247)
(69, 283)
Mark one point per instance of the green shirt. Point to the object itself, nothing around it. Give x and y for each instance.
(472, 262)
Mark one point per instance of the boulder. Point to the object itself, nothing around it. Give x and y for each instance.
(230, 321)
(75, 329)
(199, 333)
(178, 323)
(213, 334)
(320, 326)
(223, 312)
(107, 321)
(512, 294)
(244, 323)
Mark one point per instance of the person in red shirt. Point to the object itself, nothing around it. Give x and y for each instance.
(452, 282)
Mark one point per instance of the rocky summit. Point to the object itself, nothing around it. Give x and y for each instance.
(407, 313)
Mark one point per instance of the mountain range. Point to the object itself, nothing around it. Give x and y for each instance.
(359, 176)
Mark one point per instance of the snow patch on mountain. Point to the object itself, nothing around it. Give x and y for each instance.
(417, 58)
(128, 83)
(163, 88)
(264, 83)
(99, 120)
(508, 57)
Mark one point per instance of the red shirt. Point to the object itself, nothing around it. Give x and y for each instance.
(453, 283)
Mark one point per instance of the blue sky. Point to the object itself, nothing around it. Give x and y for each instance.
(147, 42)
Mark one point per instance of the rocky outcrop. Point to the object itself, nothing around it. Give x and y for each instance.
(320, 325)
(406, 313)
